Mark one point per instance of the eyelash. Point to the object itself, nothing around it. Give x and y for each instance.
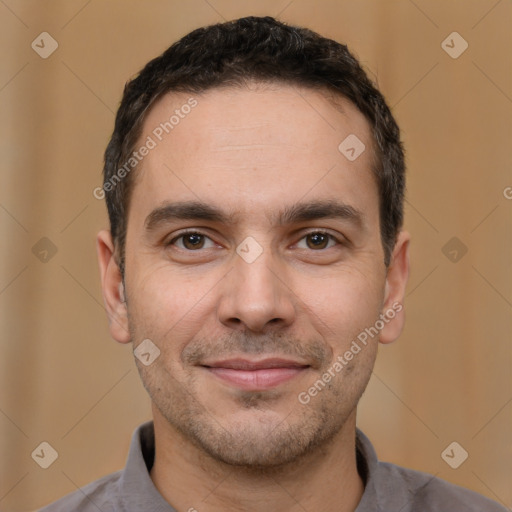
(196, 232)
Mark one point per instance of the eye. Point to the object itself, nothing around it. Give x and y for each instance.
(318, 240)
(192, 241)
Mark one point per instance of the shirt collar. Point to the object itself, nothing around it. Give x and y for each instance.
(137, 490)
(367, 464)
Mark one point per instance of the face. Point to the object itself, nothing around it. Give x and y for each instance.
(253, 262)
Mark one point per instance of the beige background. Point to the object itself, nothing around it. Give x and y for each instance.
(448, 378)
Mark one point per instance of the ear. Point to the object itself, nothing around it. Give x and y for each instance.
(394, 294)
(112, 287)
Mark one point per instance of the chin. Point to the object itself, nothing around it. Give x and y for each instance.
(260, 440)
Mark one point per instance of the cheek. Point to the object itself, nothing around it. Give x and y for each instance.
(340, 311)
(168, 306)
(349, 297)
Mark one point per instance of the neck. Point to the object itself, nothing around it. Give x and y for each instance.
(191, 480)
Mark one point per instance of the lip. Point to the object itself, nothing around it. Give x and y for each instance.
(255, 375)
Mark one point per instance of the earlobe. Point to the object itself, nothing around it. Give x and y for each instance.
(112, 288)
(394, 294)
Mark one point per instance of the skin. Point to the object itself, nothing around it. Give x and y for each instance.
(253, 151)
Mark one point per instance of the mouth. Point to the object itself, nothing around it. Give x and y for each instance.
(255, 375)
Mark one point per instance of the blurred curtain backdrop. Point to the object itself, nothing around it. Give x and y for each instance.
(65, 382)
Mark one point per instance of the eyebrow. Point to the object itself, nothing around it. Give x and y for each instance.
(295, 213)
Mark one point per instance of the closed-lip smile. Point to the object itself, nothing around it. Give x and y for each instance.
(255, 375)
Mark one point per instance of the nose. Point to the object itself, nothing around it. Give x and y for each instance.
(255, 297)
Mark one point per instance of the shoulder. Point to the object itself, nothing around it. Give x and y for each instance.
(429, 493)
(390, 488)
(101, 495)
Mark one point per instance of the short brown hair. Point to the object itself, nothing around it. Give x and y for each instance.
(255, 49)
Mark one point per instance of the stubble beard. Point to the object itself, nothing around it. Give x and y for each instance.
(266, 444)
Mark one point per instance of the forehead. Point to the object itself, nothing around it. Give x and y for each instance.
(253, 148)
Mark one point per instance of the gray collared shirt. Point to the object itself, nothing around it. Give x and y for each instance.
(388, 488)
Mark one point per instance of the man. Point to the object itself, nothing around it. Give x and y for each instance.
(254, 183)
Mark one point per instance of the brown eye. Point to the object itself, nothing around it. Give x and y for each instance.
(192, 241)
(317, 240)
